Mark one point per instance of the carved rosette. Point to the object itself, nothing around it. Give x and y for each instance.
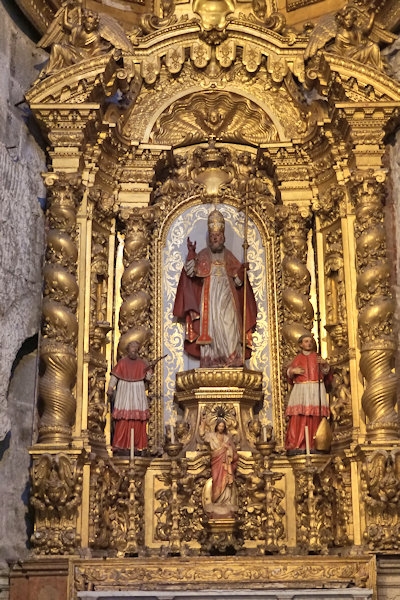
(134, 316)
(56, 495)
(376, 308)
(297, 309)
(60, 328)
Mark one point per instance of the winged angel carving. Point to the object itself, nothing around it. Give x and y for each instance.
(56, 486)
(77, 34)
(354, 35)
(381, 474)
(217, 117)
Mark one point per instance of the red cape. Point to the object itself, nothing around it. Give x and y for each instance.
(187, 304)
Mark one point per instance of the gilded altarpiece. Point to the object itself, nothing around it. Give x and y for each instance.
(286, 136)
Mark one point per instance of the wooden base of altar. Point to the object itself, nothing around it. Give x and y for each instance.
(73, 578)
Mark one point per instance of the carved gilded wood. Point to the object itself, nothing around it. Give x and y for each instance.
(145, 135)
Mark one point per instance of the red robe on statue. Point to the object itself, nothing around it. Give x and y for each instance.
(308, 401)
(192, 301)
(223, 466)
(131, 410)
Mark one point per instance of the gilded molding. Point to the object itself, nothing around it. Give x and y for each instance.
(230, 116)
(220, 572)
(288, 114)
(196, 378)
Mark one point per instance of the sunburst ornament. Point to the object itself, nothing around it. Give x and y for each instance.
(218, 412)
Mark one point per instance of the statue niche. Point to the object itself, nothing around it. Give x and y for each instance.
(217, 375)
(216, 302)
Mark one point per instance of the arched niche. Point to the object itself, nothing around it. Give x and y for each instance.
(190, 220)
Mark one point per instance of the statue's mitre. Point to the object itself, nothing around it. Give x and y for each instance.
(216, 222)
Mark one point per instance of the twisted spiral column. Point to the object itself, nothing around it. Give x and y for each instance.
(134, 316)
(376, 309)
(298, 312)
(57, 404)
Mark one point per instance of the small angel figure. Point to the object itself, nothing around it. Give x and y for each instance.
(245, 171)
(352, 39)
(78, 34)
(353, 35)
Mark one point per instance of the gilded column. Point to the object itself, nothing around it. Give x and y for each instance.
(134, 315)
(376, 309)
(298, 312)
(57, 403)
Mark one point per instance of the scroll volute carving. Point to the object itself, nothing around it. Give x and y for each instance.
(116, 508)
(340, 398)
(322, 506)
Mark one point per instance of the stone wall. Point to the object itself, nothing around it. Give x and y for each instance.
(21, 256)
